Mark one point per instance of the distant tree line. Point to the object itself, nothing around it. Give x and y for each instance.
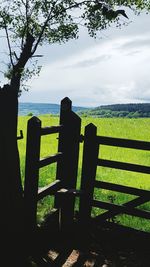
(119, 111)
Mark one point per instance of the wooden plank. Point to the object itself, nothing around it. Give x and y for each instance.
(121, 188)
(32, 172)
(51, 130)
(49, 160)
(89, 166)
(67, 168)
(123, 166)
(127, 143)
(121, 209)
(132, 203)
(49, 189)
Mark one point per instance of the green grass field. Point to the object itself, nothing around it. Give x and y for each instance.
(138, 129)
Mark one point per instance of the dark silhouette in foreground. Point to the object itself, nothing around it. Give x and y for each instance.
(106, 245)
(70, 233)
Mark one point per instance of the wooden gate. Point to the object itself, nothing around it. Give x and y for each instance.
(92, 143)
(67, 165)
(64, 187)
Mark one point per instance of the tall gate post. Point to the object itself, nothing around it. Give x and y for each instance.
(89, 166)
(32, 172)
(67, 168)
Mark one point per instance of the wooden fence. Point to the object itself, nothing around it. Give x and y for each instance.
(64, 186)
(67, 165)
(92, 143)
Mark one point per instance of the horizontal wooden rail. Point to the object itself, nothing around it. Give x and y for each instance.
(51, 130)
(48, 160)
(135, 144)
(123, 166)
(132, 204)
(121, 209)
(122, 189)
(49, 190)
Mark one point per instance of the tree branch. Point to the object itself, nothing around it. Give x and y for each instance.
(26, 26)
(8, 43)
(43, 29)
(76, 5)
(23, 59)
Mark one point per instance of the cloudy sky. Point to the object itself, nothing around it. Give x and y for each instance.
(114, 68)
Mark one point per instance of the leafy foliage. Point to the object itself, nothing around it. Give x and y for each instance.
(31, 23)
(119, 110)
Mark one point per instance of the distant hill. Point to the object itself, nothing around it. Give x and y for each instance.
(105, 111)
(133, 107)
(119, 110)
(43, 108)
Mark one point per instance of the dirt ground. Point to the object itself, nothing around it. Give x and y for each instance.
(100, 246)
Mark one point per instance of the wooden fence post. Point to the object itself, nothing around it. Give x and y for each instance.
(67, 168)
(32, 172)
(89, 166)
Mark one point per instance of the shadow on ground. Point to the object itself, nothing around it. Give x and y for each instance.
(106, 245)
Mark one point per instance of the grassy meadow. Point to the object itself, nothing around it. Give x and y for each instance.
(138, 129)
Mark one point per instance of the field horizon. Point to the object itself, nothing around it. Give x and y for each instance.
(130, 110)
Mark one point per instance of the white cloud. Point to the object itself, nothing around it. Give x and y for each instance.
(91, 73)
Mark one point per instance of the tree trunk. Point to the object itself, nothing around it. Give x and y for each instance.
(11, 193)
